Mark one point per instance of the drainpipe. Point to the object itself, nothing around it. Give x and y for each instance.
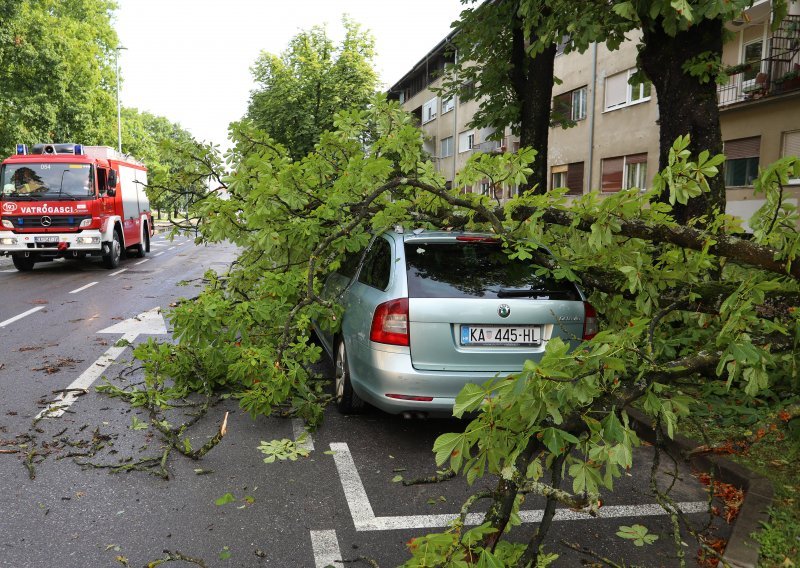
(455, 126)
(591, 117)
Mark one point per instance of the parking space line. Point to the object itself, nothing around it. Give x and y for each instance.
(118, 272)
(364, 518)
(82, 288)
(20, 316)
(159, 253)
(9, 271)
(142, 261)
(326, 549)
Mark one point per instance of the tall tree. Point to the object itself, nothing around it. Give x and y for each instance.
(501, 64)
(680, 52)
(299, 91)
(56, 72)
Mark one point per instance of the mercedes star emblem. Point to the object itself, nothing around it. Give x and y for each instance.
(46, 221)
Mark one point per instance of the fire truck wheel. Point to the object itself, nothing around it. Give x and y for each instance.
(23, 264)
(111, 260)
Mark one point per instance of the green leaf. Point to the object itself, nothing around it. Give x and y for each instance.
(225, 499)
(137, 424)
(470, 397)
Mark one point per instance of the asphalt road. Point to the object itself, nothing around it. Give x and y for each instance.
(340, 502)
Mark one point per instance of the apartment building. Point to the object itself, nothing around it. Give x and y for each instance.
(613, 141)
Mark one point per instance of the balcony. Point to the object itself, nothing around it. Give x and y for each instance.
(776, 75)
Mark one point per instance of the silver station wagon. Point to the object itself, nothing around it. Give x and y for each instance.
(427, 312)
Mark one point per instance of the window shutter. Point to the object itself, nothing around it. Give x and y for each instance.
(575, 178)
(636, 158)
(616, 90)
(612, 174)
(742, 148)
(791, 143)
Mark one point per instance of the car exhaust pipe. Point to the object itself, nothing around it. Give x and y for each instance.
(409, 415)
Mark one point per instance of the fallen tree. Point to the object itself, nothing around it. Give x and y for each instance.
(705, 302)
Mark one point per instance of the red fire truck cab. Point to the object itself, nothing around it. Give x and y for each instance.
(72, 201)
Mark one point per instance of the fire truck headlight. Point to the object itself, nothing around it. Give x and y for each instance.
(8, 224)
(88, 240)
(8, 241)
(85, 223)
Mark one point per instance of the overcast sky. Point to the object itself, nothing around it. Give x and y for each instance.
(189, 60)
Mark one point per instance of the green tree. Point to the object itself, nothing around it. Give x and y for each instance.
(299, 92)
(560, 427)
(169, 151)
(57, 73)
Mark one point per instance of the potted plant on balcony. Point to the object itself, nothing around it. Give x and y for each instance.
(789, 81)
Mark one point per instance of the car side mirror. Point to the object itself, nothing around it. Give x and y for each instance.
(112, 180)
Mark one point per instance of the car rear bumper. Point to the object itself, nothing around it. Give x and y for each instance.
(376, 373)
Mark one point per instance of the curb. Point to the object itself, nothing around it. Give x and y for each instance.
(742, 551)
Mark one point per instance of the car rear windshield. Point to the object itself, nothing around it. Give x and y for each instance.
(480, 270)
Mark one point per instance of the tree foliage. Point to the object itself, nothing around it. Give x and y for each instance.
(57, 72)
(299, 91)
(172, 155)
(680, 306)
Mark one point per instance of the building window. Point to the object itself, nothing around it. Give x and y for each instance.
(485, 187)
(447, 147)
(429, 110)
(791, 147)
(570, 105)
(741, 165)
(620, 92)
(636, 171)
(569, 176)
(751, 55)
(466, 141)
(448, 104)
(624, 172)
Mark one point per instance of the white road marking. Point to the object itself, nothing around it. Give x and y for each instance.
(172, 248)
(182, 243)
(82, 288)
(20, 316)
(118, 272)
(298, 429)
(8, 271)
(84, 381)
(142, 261)
(326, 549)
(150, 323)
(364, 517)
(159, 253)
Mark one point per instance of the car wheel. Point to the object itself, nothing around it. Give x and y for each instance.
(115, 252)
(347, 401)
(23, 264)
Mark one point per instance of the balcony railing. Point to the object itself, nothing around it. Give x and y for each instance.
(775, 75)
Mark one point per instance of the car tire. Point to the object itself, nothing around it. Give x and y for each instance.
(111, 260)
(23, 264)
(347, 401)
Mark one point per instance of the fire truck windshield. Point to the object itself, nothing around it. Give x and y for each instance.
(51, 181)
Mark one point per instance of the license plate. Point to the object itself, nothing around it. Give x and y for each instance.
(520, 335)
(45, 239)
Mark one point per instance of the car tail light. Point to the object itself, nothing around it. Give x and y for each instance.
(390, 323)
(590, 327)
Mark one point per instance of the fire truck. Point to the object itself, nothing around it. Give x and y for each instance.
(73, 201)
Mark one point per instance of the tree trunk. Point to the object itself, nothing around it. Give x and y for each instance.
(532, 80)
(686, 105)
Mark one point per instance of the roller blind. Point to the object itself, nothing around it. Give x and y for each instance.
(791, 143)
(575, 178)
(742, 148)
(616, 90)
(612, 174)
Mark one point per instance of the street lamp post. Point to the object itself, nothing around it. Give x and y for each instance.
(119, 106)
